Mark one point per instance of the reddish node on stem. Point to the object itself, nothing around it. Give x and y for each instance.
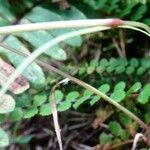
(116, 22)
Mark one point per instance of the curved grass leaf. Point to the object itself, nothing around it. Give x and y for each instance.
(38, 38)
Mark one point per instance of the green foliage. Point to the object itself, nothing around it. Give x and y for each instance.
(75, 99)
(47, 15)
(4, 139)
(118, 66)
(120, 9)
(17, 114)
(45, 110)
(125, 80)
(124, 119)
(30, 112)
(145, 94)
(103, 88)
(115, 128)
(39, 99)
(105, 138)
(22, 139)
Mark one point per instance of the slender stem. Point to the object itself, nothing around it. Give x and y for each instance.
(55, 115)
(134, 28)
(82, 84)
(59, 25)
(113, 22)
(138, 25)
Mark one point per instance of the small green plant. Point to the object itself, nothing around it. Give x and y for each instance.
(112, 78)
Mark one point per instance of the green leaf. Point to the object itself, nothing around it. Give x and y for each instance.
(2, 118)
(134, 88)
(7, 104)
(72, 96)
(39, 99)
(40, 14)
(3, 22)
(124, 135)
(134, 62)
(64, 106)
(147, 117)
(45, 110)
(90, 69)
(120, 69)
(115, 128)
(17, 114)
(94, 100)
(110, 69)
(126, 11)
(71, 14)
(58, 95)
(118, 95)
(145, 94)
(124, 119)
(4, 138)
(100, 69)
(120, 86)
(105, 138)
(5, 10)
(23, 100)
(145, 63)
(122, 61)
(103, 88)
(33, 72)
(130, 70)
(140, 70)
(86, 95)
(113, 62)
(138, 14)
(23, 139)
(104, 62)
(31, 112)
(93, 63)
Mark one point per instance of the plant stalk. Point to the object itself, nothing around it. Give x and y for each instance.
(111, 22)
